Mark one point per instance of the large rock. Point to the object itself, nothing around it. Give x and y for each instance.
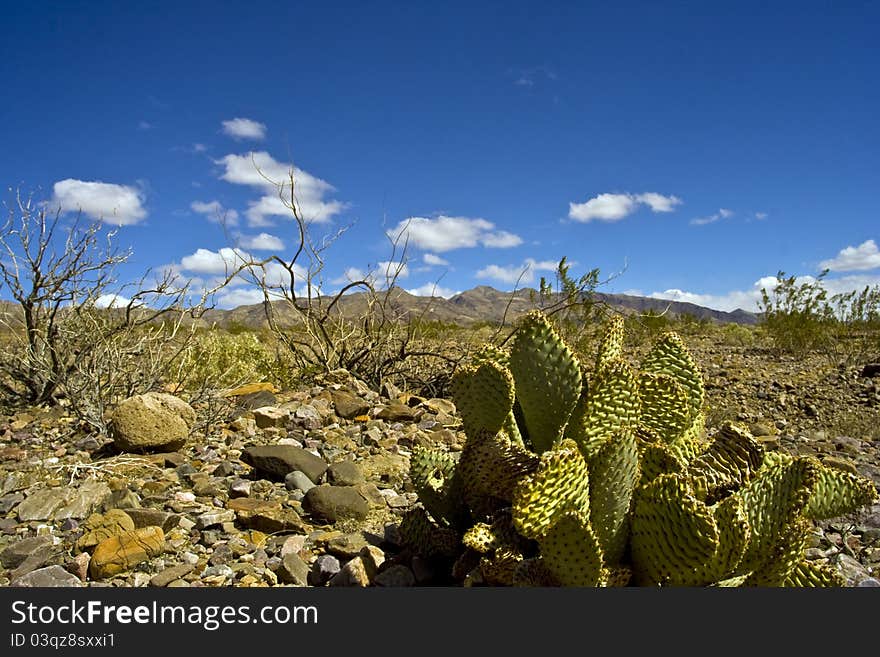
(19, 551)
(123, 552)
(152, 421)
(271, 416)
(332, 503)
(345, 473)
(63, 503)
(349, 406)
(279, 460)
(99, 528)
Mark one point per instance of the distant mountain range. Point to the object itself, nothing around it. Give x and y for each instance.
(480, 304)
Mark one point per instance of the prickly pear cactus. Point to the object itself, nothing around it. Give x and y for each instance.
(605, 477)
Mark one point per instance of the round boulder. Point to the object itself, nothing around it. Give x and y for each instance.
(152, 421)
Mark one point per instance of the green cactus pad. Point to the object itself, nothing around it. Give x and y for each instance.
(732, 522)
(425, 537)
(483, 396)
(433, 475)
(731, 460)
(548, 380)
(533, 572)
(774, 500)
(655, 457)
(489, 353)
(490, 467)
(611, 345)
(612, 404)
(665, 407)
(571, 551)
(670, 356)
(558, 485)
(616, 465)
(814, 574)
(674, 536)
(836, 493)
(480, 538)
(782, 557)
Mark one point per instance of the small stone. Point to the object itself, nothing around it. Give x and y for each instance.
(345, 473)
(373, 559)
(240, 488)
(79, 565)
(214, 518)
(308, 417)
(347, 405)
(868, 582)
(51, 576)
(397, 575)
(331, 503)
(324, 567)
(8, 502)
(297, 480)
(271, 416)
(293, 570)
(347, 545)
(397, 412)
(353, 573)
(222, 555)
(145, 517)
(293, 545)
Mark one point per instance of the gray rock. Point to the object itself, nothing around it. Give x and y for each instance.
(297, 480)
(347, 405)
(165, 577)
(353, 573)
(397, 575)
(257, 399)
(308, 417)
(325, 567)
(240, 488)
(16, 553)
(331, 503)
(345, 473)
(869, 582)
(145, 517)
(222, 555)
(89, 496)
(42, 504)
(852, 571)
(293, 570)
(152, 421)
(279, 460)
(54, 576)
(8, 502)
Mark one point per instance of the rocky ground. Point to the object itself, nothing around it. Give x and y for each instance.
(306, 487)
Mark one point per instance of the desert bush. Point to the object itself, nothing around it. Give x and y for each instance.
(736, 335)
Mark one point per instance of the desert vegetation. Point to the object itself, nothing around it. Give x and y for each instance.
(356, 438)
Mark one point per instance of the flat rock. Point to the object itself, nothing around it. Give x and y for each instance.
(145, 517)
(123, 552)
(297, 480)
(279, 460)
(51, 576)
(165, 577)
(16, 553)
(271, 416)
(332, 503)
(345, 473)
(348, 406)
(152, 421)
(42, 504)
(397, 412)
(99, 527)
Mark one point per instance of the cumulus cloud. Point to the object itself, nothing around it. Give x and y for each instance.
(748, 299)
(112, 301)
(261, 242)
(445, 233)
(614, 207)
(855, 258)
(434, 260)
(510, 274)
(432, 290)
(722, 213)
(239, 128)
(121, 205)
(263, 172)
(214, 211)
(223, 261)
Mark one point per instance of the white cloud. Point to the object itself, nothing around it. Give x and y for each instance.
(524, 273)
(748, 299)
(205, 261)
(215, 212)
(113, 204)
(239, 128)
(855, 258)
(448, 233)
(432, 290)
(760, 216)
(722, 213)
(434, 260)
(144, 125)
(260, 170)
(350, 275)
(658, 202)
(388, 269)
(614, 207)
(262, 242)
(112, 301)
(232, 298)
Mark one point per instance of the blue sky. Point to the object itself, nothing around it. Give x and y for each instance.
(697, 148)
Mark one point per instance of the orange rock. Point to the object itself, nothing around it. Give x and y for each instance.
(250, 388)
(124, 551)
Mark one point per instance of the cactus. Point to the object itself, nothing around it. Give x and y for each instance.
(572, 477)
